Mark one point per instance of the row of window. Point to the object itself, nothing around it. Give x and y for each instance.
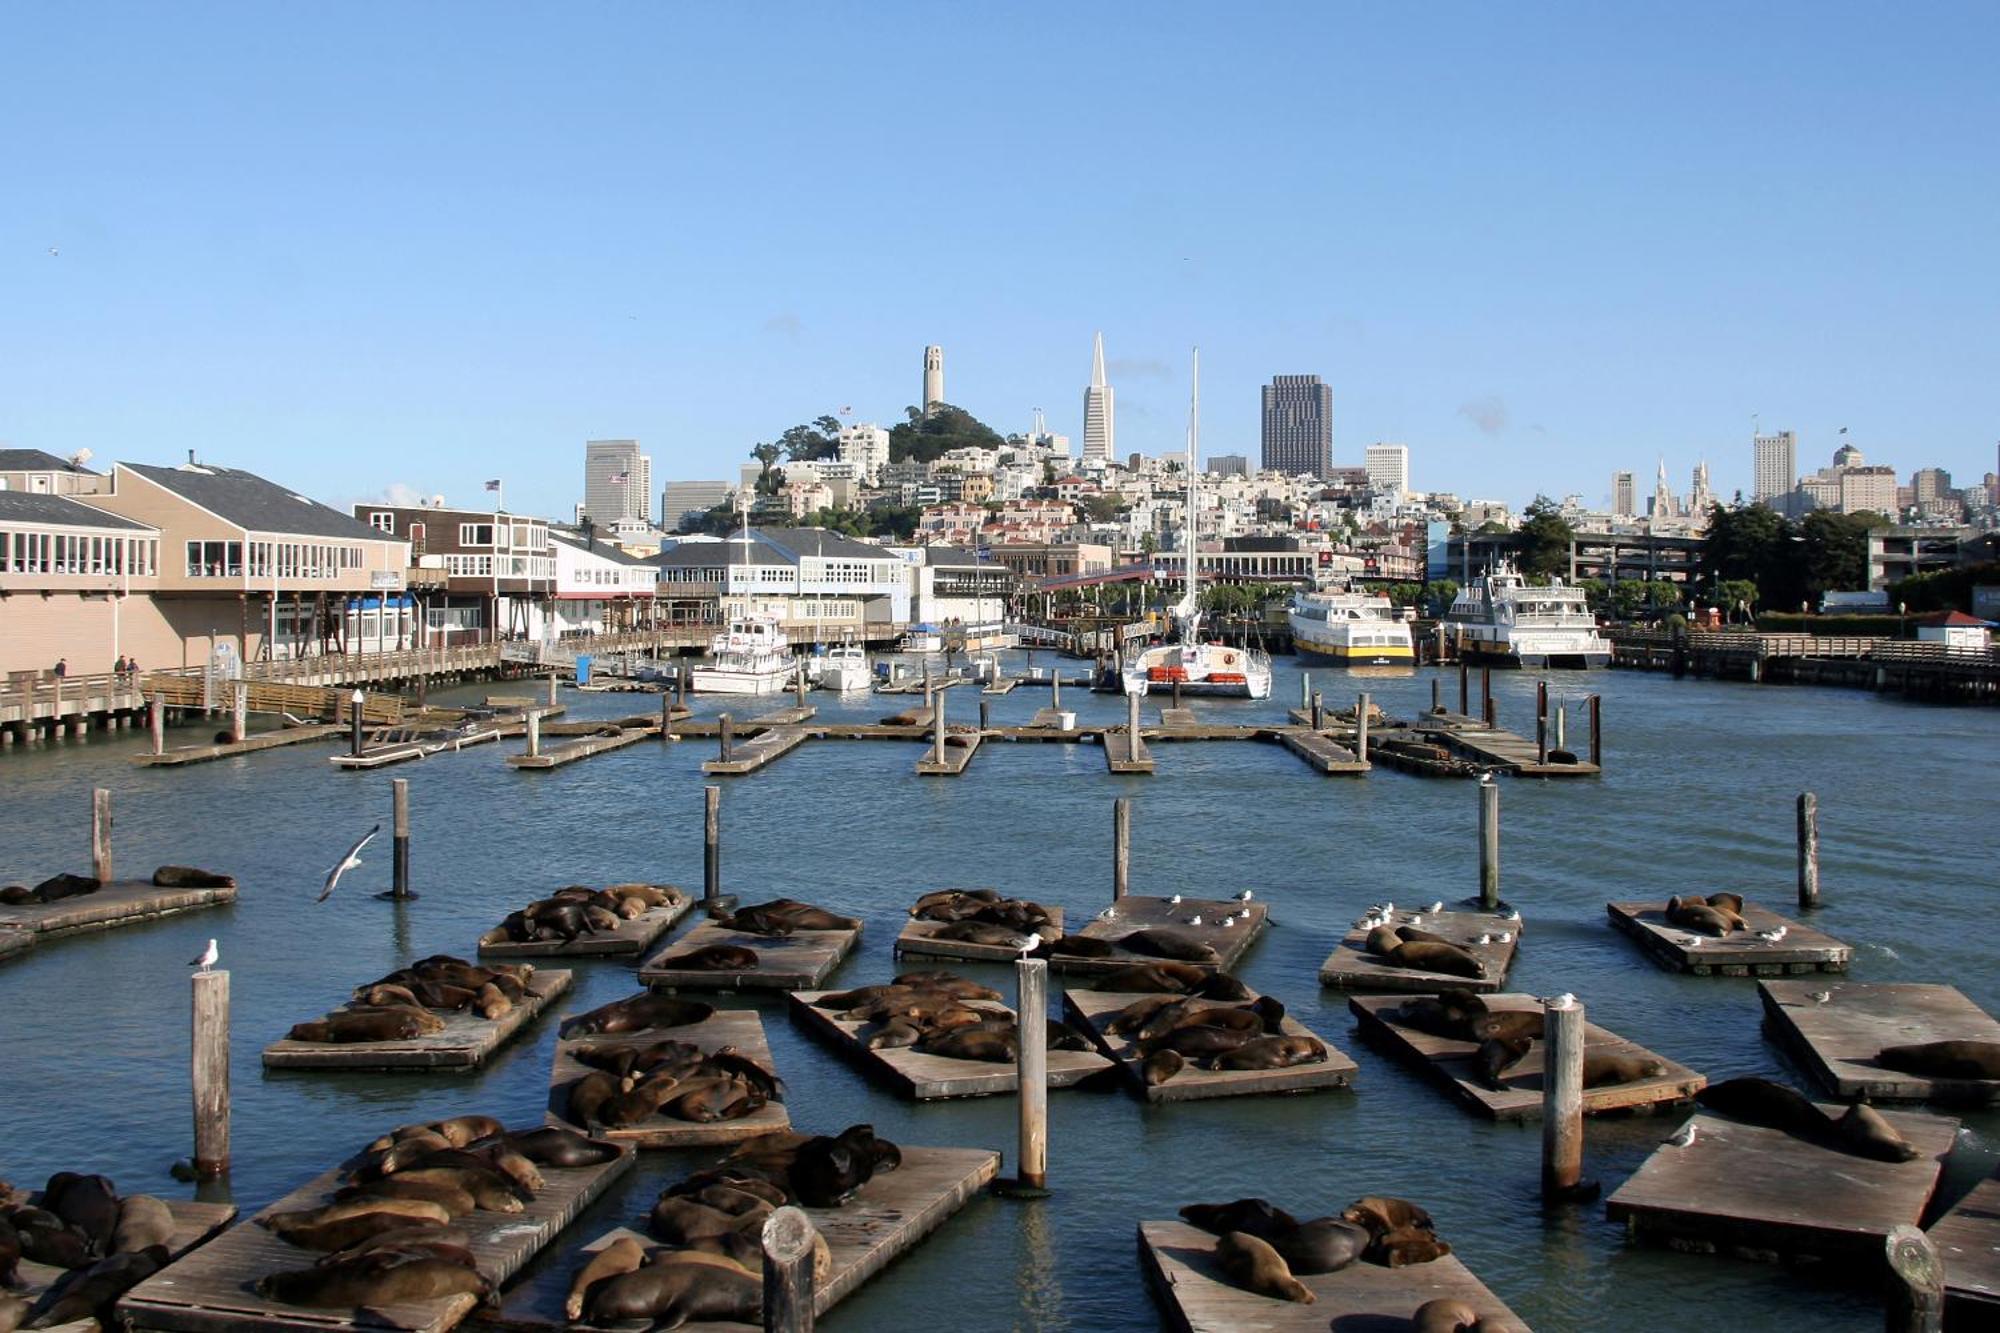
(294, 560)
(75, 553)
(633, 577)
(500, 566)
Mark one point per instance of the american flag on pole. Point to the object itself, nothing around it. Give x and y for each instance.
(620, 478)
(493, 485)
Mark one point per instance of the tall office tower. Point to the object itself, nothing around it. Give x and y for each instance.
(1298, 425)
(1388, 466)
(617, 481)
(933, 378)
(681, 500)
(1099, 435)
(1700, 497)
(1664, 503)
(1623, 495)
(1774, 465)
(1932, 484)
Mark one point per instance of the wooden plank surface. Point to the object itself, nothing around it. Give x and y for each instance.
(195, 1224)
(557, 756)
(632, 937)
(919, 940)
(1092, 1010)
(122, 902)
(790, 962)
(15, 940)
(750, 755)
(1351, 967)
(1838, 1039)
(465, 1043)
(209, 1291)
(1449, 1062)
(934, 1077)
(887, 1218)
(1136, 912)
(1753, 1191)
(1322, 752)
(956, 757)
(742, 1029)
(1122, 755)
(182, 755)
(1738, 954)
(1968, 1240)
(1195, 1297)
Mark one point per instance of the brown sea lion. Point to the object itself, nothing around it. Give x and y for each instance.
(368, 1281)
(891, 1034)
(92, 1292)
(1497, 1055)
(1507, 1024)
(1257, 1217)
(1160, 1066)
(1863, 1132)
(589, 1095)
(385, 1205)
(489, 1188)
(58, 887)
(1160, 978)
(825, 1171)
(142, 1221)
(490, 1002)
(1404, 1246)
(429, 1239)
(1204, 1044)
(1272, 1053)
(648, 1009)
(623, 1255)
(1253, 1265)
(1448, 959)
(675, 1291)
(451, 1198)
(10, 1249)
(974, 1044)
(554, 1146)
(1134, 1016)
(1698, 916)
(1166, 942)
(187, 877)
(339, 1234)
(1382, 941)
(1221, 986)
(1729, 902)
(1382, 1212)
(1762, 1102)
(950, 983)
(1944, 1059)
(1078, 946)
(1600, 1071)
(13, 1309)
(706, 1100)
(678, 1221)
(457, 1131)
(1445, 1315)
(367, 1025)
(982, 932)
(88, 1204)
(717, 958)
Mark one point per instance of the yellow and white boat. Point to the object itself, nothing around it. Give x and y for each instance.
(1349, 626)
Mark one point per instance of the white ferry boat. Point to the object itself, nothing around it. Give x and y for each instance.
(844, 669)
(1349, 626)
(1504, 620)
(750, 657)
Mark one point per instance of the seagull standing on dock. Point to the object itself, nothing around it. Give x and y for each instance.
(1821, 996)
(1175, 900)
(1194, 920)
(206, 958)
(1437, 907)
(1108, 914)
(1683, 1139)
(1772, 935)
(1243, 897)
(346, 863)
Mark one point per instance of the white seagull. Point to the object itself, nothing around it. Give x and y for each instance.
(206, 959)
(346, 863)
(1511, 914)
(1108, 914)
(1243, 897)
(1194, 920)
(1562, 1001)
(1821, 996)
(1773, 935)
(1175, 900)
(1683, 1139)
(1228, 921)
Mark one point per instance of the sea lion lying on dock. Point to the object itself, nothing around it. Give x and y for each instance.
(375, 1278)
(51, 890)
(91, 1292)
(1708, 916)
(984, 932)
(716, 958)
(783, 916)
(1603, 1071)
(352, 1025)
(1758, 1101)
(648, 1009)
(1321, 1245)
(950, 983)
(1165, 942)
(1253, 1265)
(188, 877)
(1426, 955)
(984, 905)
(1943, 1059)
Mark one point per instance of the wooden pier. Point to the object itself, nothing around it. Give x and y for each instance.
(1756, 1192)
(797, 961)
(1496, 748)
(958, 749)
(393, 748)
(1196, 1297)
(740, 1029)
(1125, 751)
(465, 1043)
(887, 1218)
(181, 755)
(195, 1224)
(1181, 718)
(1134, 912)
(1740, 953)
(919, 940)
(1351, 967)
(15, 941)
(631, 937)
(1838, 1038)
(1092, 1011)
(209, 1290)
(1968, 1240)
(765, 747)
(122, 902)
(601, 742)
(922, 1077)
(1322, 752)
(1449, 1062)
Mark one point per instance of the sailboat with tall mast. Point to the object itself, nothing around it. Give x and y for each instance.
(1213, 669)
(751, 656)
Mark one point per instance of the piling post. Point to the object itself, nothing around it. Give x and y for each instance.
(1434, 694)
(1305, 689)
(1486, 694)
(1132, 742)
(1464, 687)
(1317, 710)
(1808, 850)
(1489, 845)
(399, 883)
(985, 715)
(239, 712)
(1055, 686)
(1361, 728)
(534, 733)
(1031, 1069)
(1562, 726)
(937, 728)
(666, 716)
(788, 1271)
(1562, 1098)
(725, 734)
(1177, 692)
(799, 682)
(1916, 1295)
(711, 848)
(210, 1068)
(1541, 722)
(1597, 731)
(1121, 847)
(157, 720)
(100, 834)
(357, 699)
(680, 684)
(927, 680)
(552, 689)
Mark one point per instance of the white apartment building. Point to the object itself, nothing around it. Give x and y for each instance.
(1774, 465)
(1388, 467)
(866, 445)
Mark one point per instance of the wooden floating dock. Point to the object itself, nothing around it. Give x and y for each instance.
(1838, 1040)
(15, 940)
(1178, 717)
(1125, 751)
(584, 748)
(764, 747)
(886, 1219)
(1968, 1240)
(465, 1043)
(1738, 954)
(1756, 1192)
(1449, 1062)
(919, 940)
(122, 902)
(264, 740)
(1351, 967)
(1320, 750)
(797, 961)
(209, 1291)
(928, 1078)
(1051, 719)
(383, 753)
(956, 757)
(784, 717)
(1090, 1010)
(1195, 1297)
(632, 937)
(740, 1028)
(1496, 748)
(1001, 685)
(195, 1224)
(1136, 913)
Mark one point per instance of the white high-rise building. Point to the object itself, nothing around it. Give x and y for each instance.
(680, 500)
(1774, 465)
(1664, 503)
(933, 378)
(866, 445)
(617, 481)
(1388, 466)
(1624, 495)
(1700, 497)
(1099, 431)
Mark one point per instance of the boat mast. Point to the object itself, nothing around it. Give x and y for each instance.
(743, 505)
(1188, 610)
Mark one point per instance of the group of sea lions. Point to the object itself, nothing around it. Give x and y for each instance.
(982, 916)
(569, 914)
(630, 1082)
(1505, 1036)
(1264, 1249)
(709, 1262)
(389, 1235)
(1148, 941)
(58, 887)
(929, 1011)
(1718, 914)
(109, 1245)
(1860, 1131)
(399, 1006)
(1189, 1017)
(1422, 951)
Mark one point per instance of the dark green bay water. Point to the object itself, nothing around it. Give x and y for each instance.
(1698, 796)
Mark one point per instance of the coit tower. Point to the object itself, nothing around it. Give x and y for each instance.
(933, 378)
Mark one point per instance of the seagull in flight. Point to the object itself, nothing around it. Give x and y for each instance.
(346, 863)
(53, 252)
(206, 958)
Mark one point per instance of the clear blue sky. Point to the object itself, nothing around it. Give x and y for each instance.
(355, 246)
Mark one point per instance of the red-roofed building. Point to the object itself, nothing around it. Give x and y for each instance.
(1955, 629)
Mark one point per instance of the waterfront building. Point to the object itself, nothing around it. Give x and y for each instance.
(1053, 560)
(866, 445)
(1774, 467)
(684, 501)
(1623, 495)
(1298, 425)
(1387, 465)
(960, 587)
(1099, 426)
(1229, 465)
(933, 378)
(617, 481)
(38, 472)
(808, 579)
(478, 575)
(1251, 559)
(600, 588)
(76, 585)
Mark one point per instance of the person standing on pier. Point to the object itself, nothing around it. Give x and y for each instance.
(62, 667)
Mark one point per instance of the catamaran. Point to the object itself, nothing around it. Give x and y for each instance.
(1215, 669)
(1351, 626)
(1502, 619)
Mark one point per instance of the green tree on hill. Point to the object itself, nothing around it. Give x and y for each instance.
(924, 439)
